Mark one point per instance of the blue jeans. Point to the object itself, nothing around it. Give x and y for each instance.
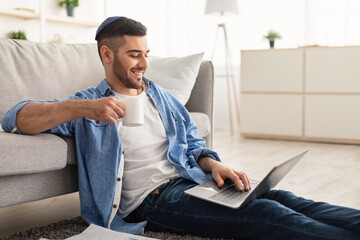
(277, 215)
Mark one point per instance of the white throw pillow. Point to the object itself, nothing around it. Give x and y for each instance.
(176, 75)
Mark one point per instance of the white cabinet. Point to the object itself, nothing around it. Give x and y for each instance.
(332, 70)
(332, 116)
(301, 94)
(272, 71)
(260, 111)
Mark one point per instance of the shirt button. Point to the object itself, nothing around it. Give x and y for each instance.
(114, 206)
(123, 152)
(118, 179)
(97, 121)
(111, 93)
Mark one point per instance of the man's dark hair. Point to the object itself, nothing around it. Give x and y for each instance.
(112, 35)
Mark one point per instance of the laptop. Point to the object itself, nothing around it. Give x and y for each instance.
(230, 196)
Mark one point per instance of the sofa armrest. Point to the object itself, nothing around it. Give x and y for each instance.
(202, 97)
(202, 121)
(24, 154)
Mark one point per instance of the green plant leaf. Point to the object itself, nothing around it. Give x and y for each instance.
(272, 35)
(17, 35)
(71, 3)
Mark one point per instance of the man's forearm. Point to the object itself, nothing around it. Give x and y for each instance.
(207, 164)
(36, 117)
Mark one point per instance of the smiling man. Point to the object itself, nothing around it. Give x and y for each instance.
(120, 166)
(132, 177)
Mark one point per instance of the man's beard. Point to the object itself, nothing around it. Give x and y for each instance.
(122, 75)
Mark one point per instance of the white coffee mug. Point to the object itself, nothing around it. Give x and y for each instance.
(134, 112)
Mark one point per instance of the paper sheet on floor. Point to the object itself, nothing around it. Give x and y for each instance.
(94, 232)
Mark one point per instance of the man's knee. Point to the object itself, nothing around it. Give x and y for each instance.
(279, 195)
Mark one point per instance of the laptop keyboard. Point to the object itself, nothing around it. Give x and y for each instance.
(232, 195)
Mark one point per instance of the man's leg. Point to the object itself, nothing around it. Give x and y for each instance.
(343, 217)
(168, 209)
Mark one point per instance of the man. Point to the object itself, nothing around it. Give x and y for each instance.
(130, 178)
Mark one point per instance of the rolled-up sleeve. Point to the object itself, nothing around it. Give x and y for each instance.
(8, 122)
(196, 146)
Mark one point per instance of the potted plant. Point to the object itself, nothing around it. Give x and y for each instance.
(70, 5)
(17, 35)
(272, 36)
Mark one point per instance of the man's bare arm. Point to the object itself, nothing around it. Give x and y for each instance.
(36, 117)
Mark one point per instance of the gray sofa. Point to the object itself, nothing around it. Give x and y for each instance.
(44, 165)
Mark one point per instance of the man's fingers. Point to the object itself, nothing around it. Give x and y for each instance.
(117, 106)
(245, 180)
(119, 112)
(239, 178)
(113, 116)
(113, 108)
(235, 178)
(107, 109)
(218, 179)
(120, 104)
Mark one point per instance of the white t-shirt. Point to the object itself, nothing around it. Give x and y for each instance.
(146, 163)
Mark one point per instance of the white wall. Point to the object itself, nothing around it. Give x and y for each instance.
(179, 27)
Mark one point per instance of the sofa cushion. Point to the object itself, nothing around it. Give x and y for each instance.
(176, 75)
(21, 154)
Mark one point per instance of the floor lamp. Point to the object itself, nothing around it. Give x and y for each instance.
(222, 7)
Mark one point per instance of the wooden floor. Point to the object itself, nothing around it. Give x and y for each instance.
(329, 172)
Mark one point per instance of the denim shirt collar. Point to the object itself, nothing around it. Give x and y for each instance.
(104, 88)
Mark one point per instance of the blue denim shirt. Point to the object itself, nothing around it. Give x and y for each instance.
(99, 152)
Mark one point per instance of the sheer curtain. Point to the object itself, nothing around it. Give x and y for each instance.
(333, 23)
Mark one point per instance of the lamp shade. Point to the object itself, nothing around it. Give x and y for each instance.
(221, 7)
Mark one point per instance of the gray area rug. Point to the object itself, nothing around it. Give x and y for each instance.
(68, 228)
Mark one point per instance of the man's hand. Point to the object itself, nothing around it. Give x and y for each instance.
(220, 173)
(107, 109)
